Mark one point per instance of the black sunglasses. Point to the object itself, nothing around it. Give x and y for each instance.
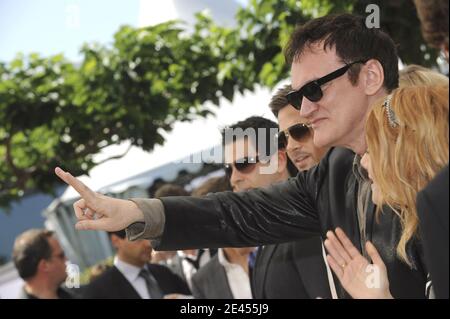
(244, 165)
(312, 90)
(298, 132)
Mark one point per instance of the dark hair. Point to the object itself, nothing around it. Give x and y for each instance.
(29, 249)
(279, 100)
(213, 185)
(120, 233)
(255, 123)
(353, 41)
(433, 15)
(170, 190)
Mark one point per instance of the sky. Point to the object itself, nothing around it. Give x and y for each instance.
(62, 26)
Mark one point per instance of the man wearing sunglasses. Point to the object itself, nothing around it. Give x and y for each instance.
(339, 68)
(41, 263)
(295, 136)
(244, 160)
(294, 270)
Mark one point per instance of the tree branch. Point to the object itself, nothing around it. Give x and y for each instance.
(116, 156)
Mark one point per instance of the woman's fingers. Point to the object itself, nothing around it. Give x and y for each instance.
(332, 251)
(374, 255)
(336, 249)
(338, 270)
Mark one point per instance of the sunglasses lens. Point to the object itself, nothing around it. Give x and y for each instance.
(313, 92)
(299, 132)
(245, 167)
(295, 99)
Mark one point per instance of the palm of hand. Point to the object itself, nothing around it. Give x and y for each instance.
(359, 277)
(355, 278)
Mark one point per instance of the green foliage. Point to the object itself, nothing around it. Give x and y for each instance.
(55, 113)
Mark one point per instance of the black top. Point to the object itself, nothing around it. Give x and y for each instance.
(433, 210)
(293, 270)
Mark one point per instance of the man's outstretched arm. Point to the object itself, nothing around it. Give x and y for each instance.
(256, 217)
(281, 213)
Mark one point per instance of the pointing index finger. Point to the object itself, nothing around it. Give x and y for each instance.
(84, 191)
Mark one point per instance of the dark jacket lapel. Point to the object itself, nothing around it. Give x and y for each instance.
(123, 287)
(259, 274)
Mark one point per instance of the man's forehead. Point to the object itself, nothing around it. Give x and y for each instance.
(54, 243)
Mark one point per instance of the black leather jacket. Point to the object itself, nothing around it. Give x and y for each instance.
(311, 203)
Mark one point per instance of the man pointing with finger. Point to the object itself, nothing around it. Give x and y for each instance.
(338, 69)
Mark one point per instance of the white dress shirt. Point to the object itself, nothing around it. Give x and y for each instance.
(131, 273)
(189, 269)
(238, 278)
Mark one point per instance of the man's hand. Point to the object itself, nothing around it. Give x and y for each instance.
(98, 212)
(361, 279)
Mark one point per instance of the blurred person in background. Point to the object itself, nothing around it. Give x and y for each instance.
(416, 75)
(433, 15)
(133, 276)
(41, 263)
(98, 270)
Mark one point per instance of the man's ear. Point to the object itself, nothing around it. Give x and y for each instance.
(116, 241)
(372, 75)
(42, 266)
(282, 161)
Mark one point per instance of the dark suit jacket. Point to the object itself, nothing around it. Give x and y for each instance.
(433, 210)
(293, 270)
(113, 285)
(323, 198)
(211, 282)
